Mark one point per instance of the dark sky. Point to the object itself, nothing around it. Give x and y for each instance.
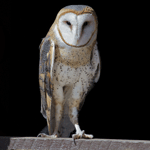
(112, 109)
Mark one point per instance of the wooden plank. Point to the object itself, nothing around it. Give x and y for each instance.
(11, 142)
(134, 146)
(18, 143)
(56, 144)
(37, 144)
(114, 146)
(40, 143)
(46, 144)
(95, 145)
(27, 143)
(77, 146)
(66, 145)
(124, 146)
(104, 145)
(85, 144)
(144, 146)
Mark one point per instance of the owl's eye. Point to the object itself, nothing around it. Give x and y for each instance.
(68, 23)
(85, 24)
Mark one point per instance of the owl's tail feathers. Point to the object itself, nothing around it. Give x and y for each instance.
(48, 111)
(44, 130)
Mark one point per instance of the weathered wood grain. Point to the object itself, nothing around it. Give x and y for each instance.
(40, 143)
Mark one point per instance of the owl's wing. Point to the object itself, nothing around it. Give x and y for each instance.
(96, 63)
(47, 54)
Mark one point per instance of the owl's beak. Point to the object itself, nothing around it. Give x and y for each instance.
(78, 35)
(76, 40)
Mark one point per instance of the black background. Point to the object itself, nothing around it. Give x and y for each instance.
(116, 107)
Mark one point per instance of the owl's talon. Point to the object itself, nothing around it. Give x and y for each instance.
(82, 135)
(48, 136)
(88, 136)
(42, 135)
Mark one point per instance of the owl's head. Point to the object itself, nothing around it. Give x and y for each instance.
(77, 25)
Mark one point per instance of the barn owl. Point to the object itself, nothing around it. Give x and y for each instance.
(69, 67)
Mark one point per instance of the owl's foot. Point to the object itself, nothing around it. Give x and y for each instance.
(47, 136)
(81, 134)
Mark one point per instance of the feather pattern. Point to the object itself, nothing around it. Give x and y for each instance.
(69, 67)
(44, 73)
(95, 62)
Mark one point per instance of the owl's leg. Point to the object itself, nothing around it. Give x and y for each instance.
(59, 101)
(74, 103)
(73, 114)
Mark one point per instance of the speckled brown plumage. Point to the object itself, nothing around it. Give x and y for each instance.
(67, 71)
